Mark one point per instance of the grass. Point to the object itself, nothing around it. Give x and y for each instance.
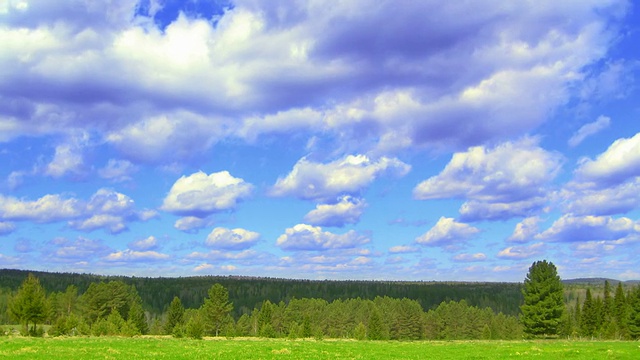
(170, 348)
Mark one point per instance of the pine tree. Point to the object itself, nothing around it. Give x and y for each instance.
(620, 312)
(375, 328)
(30, 306)
(543, 300)
(634, 314)
(589, 319)
(216, 307)
(175, 316)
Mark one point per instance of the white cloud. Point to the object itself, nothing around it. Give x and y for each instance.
(349, 175)
(592, 128)
(191, 223)
(403, 249)
(105, 209)
(619, 163)
(232, 239)
(346, 211)
(68, 157)
(521, 252)
(579, 199)
(49, 208)
(307, 237)
(200, 194)
(113, 223)
(525, 230)
(203, 267)
(136, 256)
(447, 232)
(571, 228)
(508, 180)
(148, 243)
(470, 257)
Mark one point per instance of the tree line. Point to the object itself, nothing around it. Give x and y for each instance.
(115, 308)
(246, 292)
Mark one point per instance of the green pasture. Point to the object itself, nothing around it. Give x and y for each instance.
(220, 348)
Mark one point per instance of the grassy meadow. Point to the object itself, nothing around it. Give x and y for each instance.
(251, 348)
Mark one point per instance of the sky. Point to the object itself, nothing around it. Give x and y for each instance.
(356, 139)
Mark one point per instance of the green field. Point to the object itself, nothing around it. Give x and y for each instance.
(170, 348)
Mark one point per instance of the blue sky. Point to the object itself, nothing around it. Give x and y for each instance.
(356, 139)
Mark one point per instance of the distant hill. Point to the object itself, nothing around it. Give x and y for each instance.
(598, 282)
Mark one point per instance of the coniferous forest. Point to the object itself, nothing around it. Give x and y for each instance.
(83, 304)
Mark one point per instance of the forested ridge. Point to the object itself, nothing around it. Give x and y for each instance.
(247, 292)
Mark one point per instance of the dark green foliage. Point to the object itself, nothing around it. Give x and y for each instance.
(543, 305)
(195, 326)
(621, 313)
(589, 318)
(29, 305)
(245, 293)
(376, 329)
(216, 307)
(634, 314)
(175, 317)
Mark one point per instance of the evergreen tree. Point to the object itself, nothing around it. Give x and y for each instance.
(543, 300)
(216, 307)
(375, 328)
(589, 318)
(634, 314)
(175, 316)
(30, 306)
(138, 318)
(620, 312)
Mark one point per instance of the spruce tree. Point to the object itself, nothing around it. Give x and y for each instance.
(543, 300)
(589, 320)
(216, 308)
(620, 312)
(175, 316)
(29, 305)
(634, 314)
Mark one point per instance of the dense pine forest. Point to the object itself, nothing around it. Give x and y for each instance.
(245, 293)
(83, 304)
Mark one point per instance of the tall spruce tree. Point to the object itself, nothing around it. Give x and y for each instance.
(620, 312)
(216, 308)
(175, 316)
(634, 313)
(30, 305)
(589, 319)
(543, 300)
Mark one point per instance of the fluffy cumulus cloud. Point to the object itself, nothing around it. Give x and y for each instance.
(129, 255)
(148, 243)
(619, 163)
(447, 233)
(525, 230)
(106, 209)
(349, 175)
(470, 257)
(608, 184)
(200, 194)
(346, 211)
(571, 228)
(232, 239)
(307, 237)
(502, 182)
(521, 252)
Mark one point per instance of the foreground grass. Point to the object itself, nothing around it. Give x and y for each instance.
(170, 348)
